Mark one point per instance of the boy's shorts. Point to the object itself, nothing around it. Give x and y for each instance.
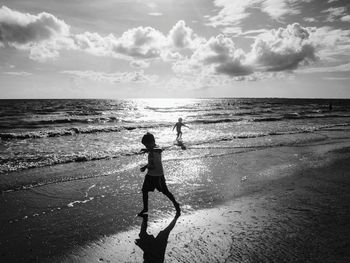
(154, 182)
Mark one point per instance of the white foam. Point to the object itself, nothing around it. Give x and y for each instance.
(87, 191)
(71, 204)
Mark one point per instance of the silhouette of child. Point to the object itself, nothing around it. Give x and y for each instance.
(154, 247)
(154, 178)
(178, 126)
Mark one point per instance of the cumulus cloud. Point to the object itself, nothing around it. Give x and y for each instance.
(180, 36)
(283, 49)
(42, 34)
(274, 54)
(20, 29)
(140, 42)
(117, 77)
(94, 43)
(279, 50)
(216, 56)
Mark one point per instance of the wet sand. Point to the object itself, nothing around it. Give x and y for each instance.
(284, 204)
(302, 218)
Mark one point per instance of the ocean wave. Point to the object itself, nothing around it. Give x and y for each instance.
(38, 123)
(296, 115)
(262, 119)
(76, 120)
(178, 110)
(45, 133)
(73, 131)
(16, 163)
(44, 182)
(210, 121)
(23, 162)
(11, 164)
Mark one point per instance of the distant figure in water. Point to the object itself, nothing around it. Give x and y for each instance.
(178, 126)
(154, 178)
(154, 247)
(330, 106)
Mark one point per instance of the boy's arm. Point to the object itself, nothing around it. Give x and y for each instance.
(143, 168)
(143, 150)
(147, 166)
(150, 165)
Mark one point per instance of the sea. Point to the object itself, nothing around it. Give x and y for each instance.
(53, 133)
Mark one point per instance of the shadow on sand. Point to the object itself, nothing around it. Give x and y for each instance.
(154, 247)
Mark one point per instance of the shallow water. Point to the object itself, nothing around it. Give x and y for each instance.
(37, 133)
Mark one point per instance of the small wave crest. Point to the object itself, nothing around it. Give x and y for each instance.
(44, 182)
(72, 131)
(22, 161)
(210, 121)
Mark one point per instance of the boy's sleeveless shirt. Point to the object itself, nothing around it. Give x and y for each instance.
(155, 159)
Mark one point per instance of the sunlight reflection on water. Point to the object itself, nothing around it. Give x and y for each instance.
(164, 110)
(189, 172)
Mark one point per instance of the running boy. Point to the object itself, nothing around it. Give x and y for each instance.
(178, 126)
(154, 178)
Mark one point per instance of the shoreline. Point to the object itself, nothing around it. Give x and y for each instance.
(225, 215)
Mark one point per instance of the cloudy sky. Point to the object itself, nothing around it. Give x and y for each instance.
(174, 48)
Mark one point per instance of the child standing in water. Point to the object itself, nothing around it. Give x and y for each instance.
(154, 178)
(178, 126)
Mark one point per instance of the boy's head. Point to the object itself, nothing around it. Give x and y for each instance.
(180, 119)
(148, 140)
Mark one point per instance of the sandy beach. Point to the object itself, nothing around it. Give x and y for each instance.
(274, 204)
(238, 111)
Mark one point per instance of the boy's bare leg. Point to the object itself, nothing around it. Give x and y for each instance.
(145, 203)
(172, 199)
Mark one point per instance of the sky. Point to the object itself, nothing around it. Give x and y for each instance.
(174, 48)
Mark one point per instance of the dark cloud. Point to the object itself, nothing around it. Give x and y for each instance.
(233, 69)
(216, 56)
